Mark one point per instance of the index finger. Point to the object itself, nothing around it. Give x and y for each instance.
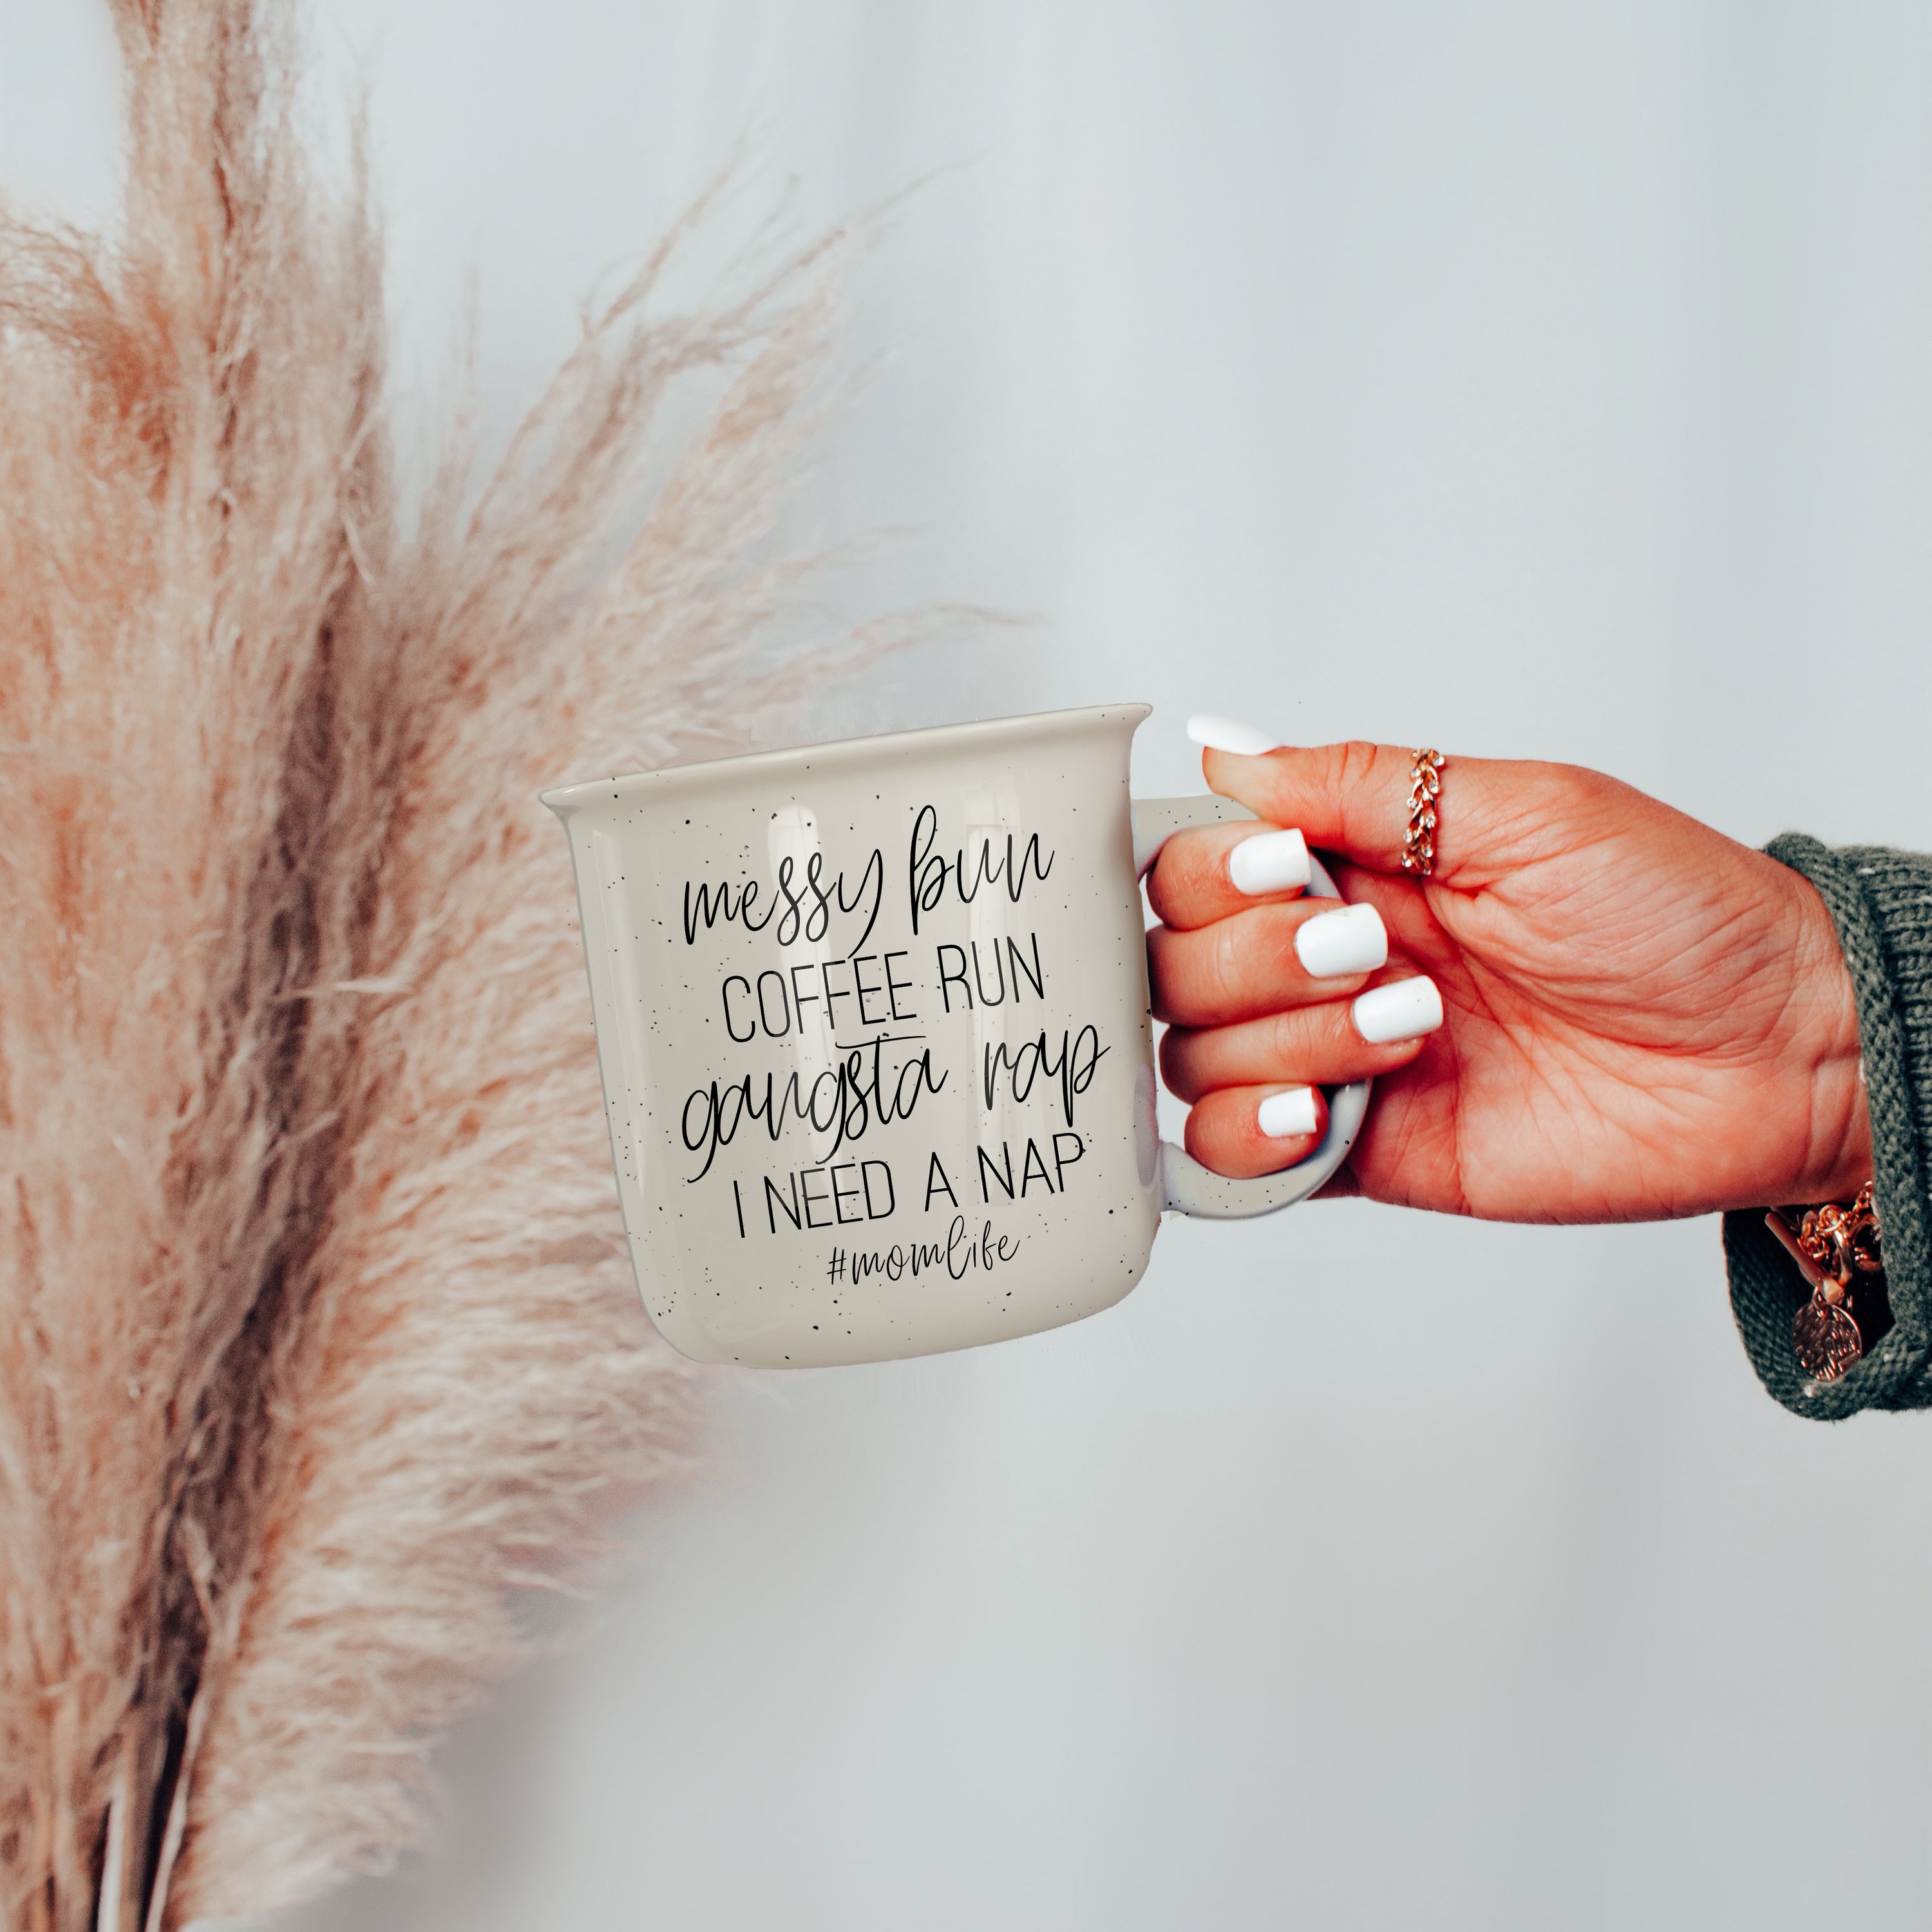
(1207, 872)
(1354, 798)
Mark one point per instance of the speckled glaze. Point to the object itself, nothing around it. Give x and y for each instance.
(936, 992)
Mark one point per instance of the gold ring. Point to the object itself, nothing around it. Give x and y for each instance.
(1418, 842)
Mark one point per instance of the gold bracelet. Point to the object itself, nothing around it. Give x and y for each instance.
(1831, 1245)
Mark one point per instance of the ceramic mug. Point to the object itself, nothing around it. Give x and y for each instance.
(872, 1019)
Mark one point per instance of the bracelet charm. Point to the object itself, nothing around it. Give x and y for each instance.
(1832, 1245)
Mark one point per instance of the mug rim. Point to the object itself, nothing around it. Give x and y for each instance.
(563, 799)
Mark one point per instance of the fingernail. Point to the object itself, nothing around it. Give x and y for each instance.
(1333, 945)
(1223, 734)
(1403, 1009)
(1281, 1116)
(1269, 862)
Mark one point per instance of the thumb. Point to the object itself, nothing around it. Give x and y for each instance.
(1354, 800)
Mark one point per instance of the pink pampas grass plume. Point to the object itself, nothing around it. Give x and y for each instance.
(319, 1334)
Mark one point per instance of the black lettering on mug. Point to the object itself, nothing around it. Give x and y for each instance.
(1074, 1066)
(927, 872)
(935, 1178)
(751, 1031)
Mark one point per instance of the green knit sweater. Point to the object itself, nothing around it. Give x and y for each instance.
(1881, 902)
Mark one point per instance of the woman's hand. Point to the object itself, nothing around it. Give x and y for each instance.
(1638, 1017)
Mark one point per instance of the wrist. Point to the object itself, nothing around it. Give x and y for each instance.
(1836, 1159)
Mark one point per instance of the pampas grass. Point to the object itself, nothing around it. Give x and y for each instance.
(319, 1334)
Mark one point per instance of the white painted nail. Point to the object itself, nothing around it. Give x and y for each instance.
(1269, 862)
(1281, 1116)
(1403, 1009)
(1333, 945)
(1223, 734)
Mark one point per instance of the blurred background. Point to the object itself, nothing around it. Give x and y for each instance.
(1519, 379)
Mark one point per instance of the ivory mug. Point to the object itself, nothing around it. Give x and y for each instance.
(872, 1022)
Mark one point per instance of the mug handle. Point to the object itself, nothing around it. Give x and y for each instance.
(1187, 1186)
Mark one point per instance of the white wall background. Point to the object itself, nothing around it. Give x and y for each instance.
(1529, 379)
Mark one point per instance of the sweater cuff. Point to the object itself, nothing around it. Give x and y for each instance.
(1881, 902)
